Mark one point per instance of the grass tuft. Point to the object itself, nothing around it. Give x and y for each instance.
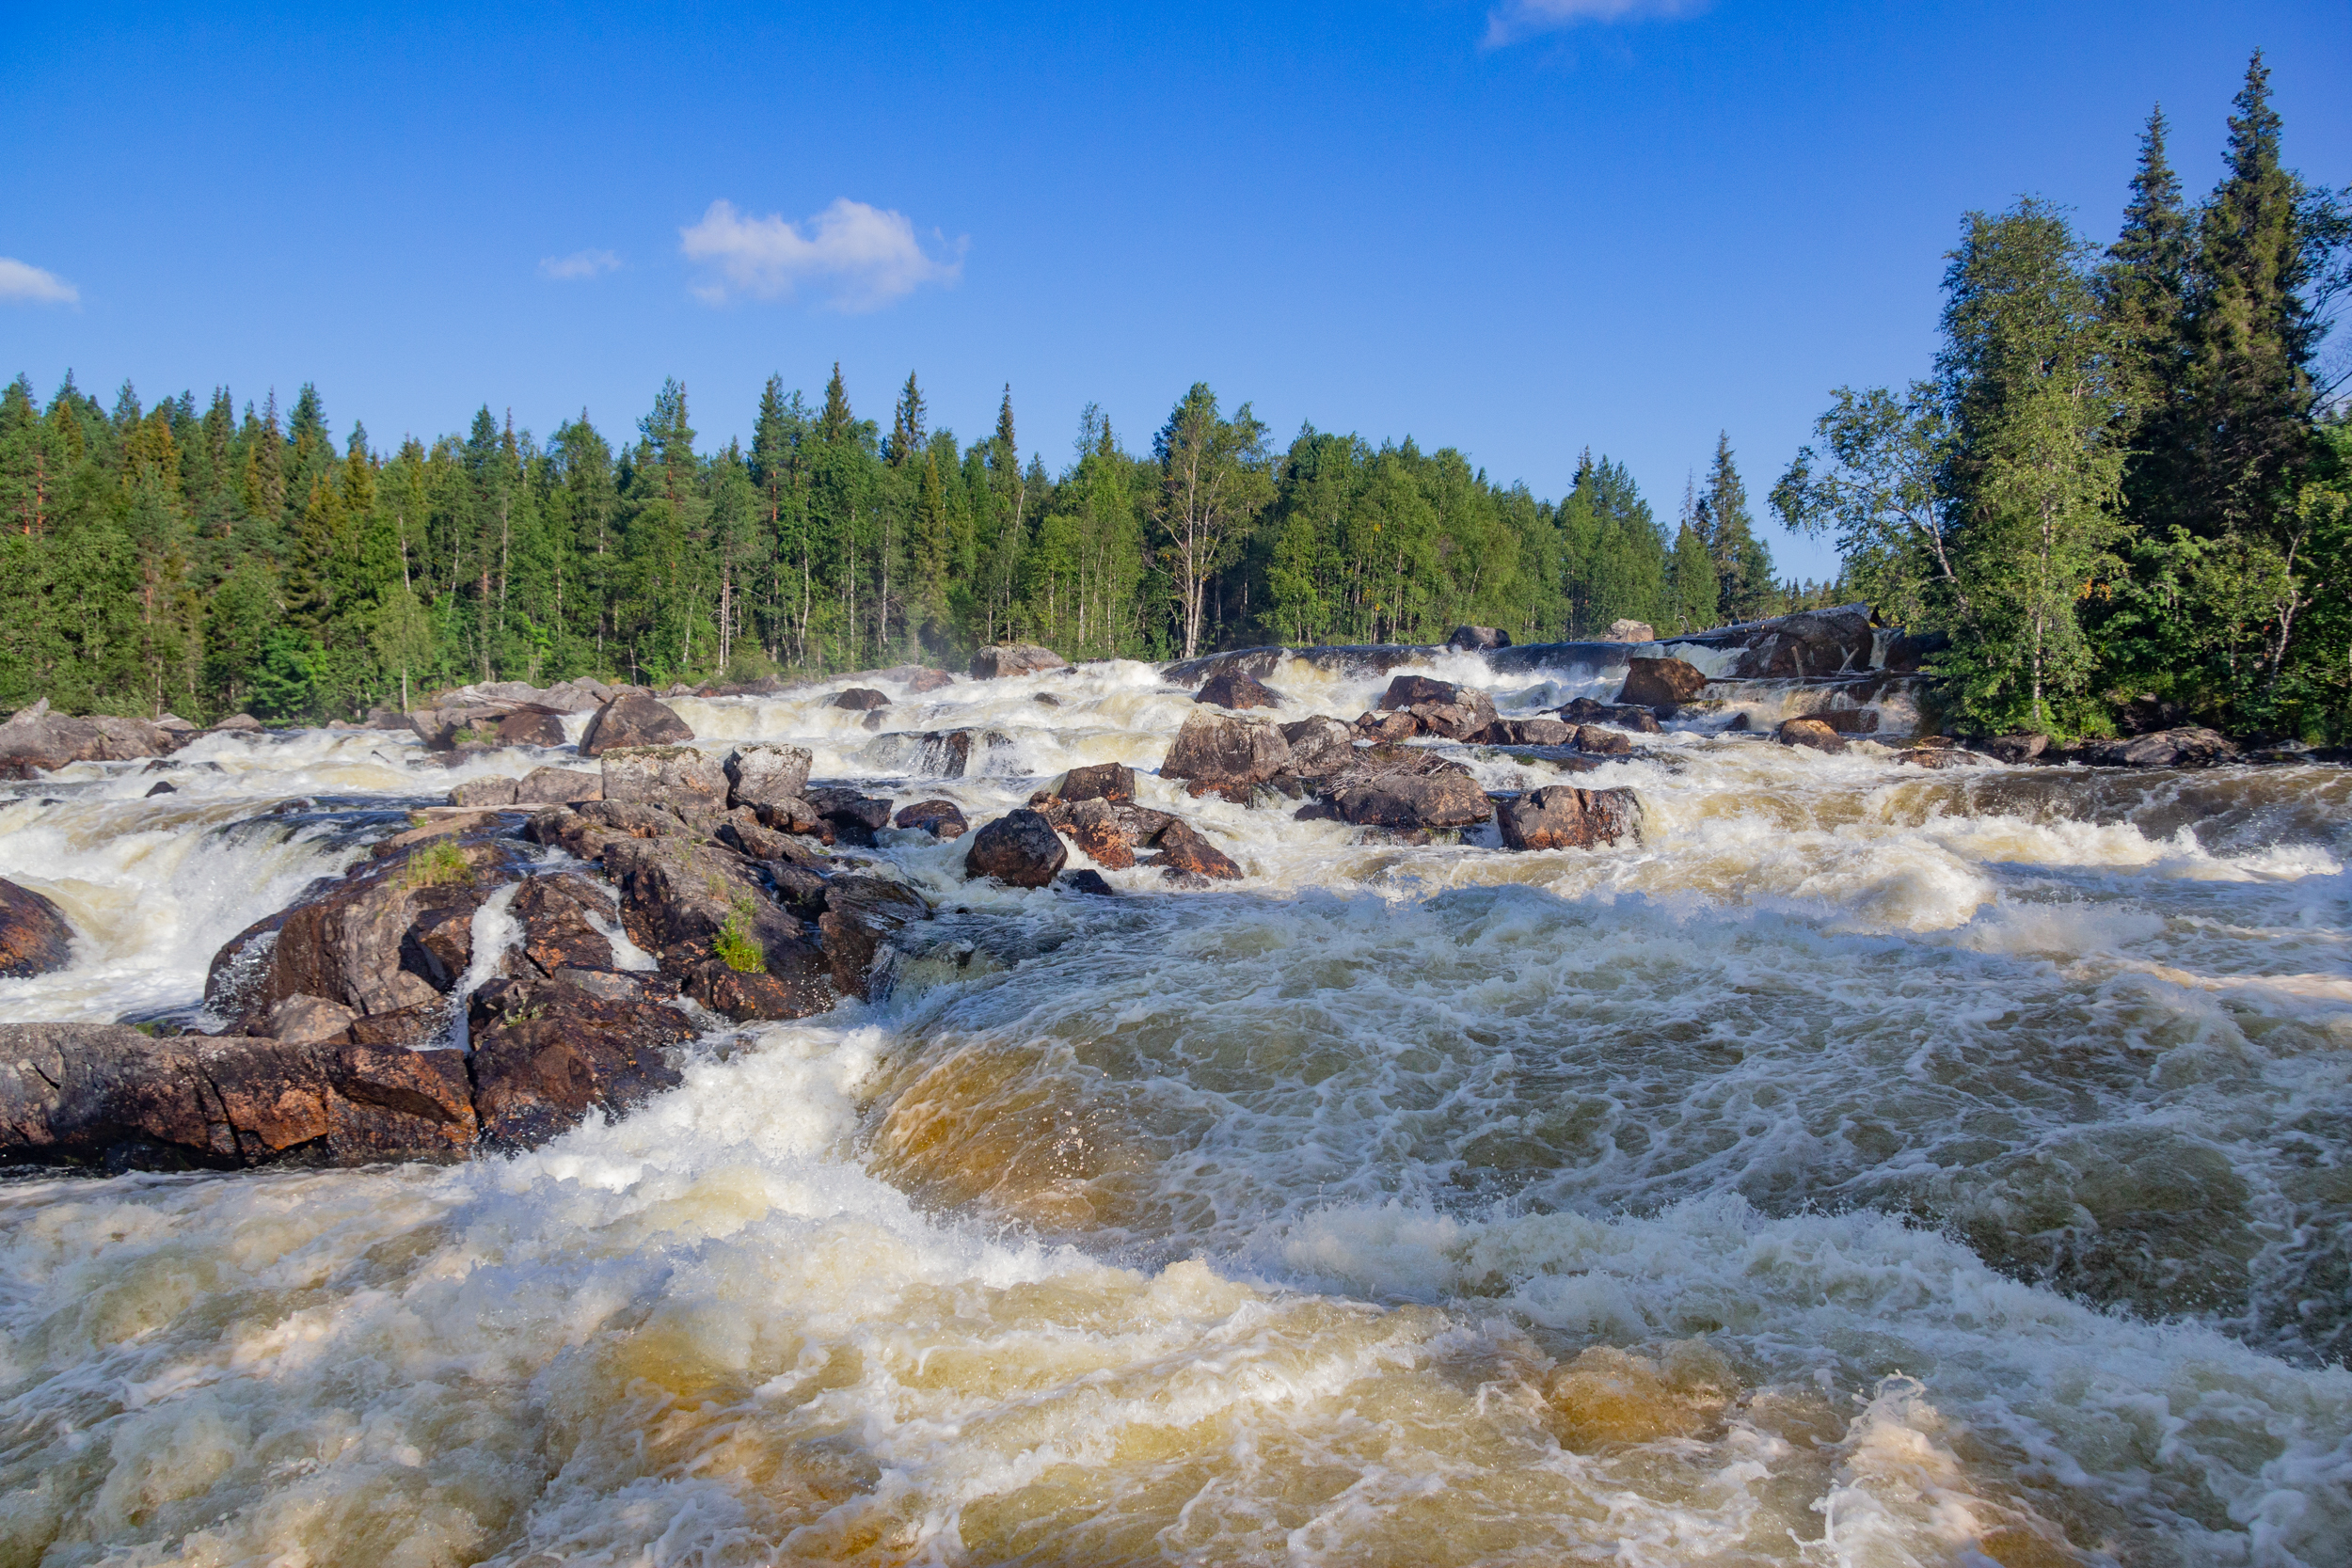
(734, 946)
(437, 864)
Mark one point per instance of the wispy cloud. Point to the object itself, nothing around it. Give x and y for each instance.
(578, 264)
(22, 283)
(863, 256)
(1515, 20)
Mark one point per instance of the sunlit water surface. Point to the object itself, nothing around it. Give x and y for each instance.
(1869, 1167)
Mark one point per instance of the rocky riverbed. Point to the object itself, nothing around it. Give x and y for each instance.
(1441, 1104)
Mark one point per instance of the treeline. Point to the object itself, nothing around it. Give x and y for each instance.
(198, 559)
(2128, 476)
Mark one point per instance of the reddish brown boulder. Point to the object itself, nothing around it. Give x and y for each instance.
(1093, 826)
(34, 936)
(543, 1059)
(862, 699)
(1604, 742)
(532, 725)
(1659, 683)
(1445, 799)
(1527, 732)
(1409, 691)
(1811, 733)
(1562, 816)
(1624, 715)
(1019, 847)
(1184, 852)
(1318, 746)
(861, 913)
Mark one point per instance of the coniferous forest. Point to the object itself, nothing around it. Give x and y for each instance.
(2127, 476)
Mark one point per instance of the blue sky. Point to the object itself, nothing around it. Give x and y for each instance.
(1517, 230)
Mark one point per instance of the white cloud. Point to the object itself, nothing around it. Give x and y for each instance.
(578, 264)
(867, 256)
(1515, 20)
(22, 283)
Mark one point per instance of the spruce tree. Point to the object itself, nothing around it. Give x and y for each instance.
(906, 429)
(1743, 563)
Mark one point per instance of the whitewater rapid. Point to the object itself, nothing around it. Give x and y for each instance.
(1871, 1166)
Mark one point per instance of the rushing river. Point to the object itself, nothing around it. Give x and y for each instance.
(1871, 1167)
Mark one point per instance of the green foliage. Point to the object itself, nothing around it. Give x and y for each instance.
(439, 864)
(735, 947)
(2121, 481)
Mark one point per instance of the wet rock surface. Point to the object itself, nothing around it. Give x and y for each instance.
(1217, 751)
(1232, 689)
(941, 819)
(1014, 658)
(34, 936)
(2188, 746)
(1562, 816)
(1656, 683)
(635, 719)
(35, 739)
(1020, 847)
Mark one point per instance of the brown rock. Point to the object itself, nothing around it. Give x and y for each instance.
(1848, 720)
(1233, 689)
(941, 819)
(1814, 643)
(849, 816)
(1409, 692)
(1478, 639)
(1019, 847)
(862, 699)
(1184, 852)
(2188, 746)
(1626, 630)
(1317, 746)
(861, 913)
(677, 896)
(34, 936)
(1809, 732)
(1604, 742)
(541, 1066)
(558, 933)
(1014, 658)
(304, 1020)
(1936, 756)
(633, 719)
(1094, 827)
(532, 725)
(1388, 728)
(1448, 798)
(1561, 816)
(1467, 715)
(1659, 683)
(483, 792)
(1624, 715)
(2016, 747)
(1108, 780)
(1214, 749)
(1527, 732)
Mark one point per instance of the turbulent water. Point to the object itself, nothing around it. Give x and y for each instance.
(1871, 1167)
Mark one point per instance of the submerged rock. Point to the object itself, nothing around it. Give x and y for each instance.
(34, 936)
(1020, 847)
(633, 719)
(1562, 816)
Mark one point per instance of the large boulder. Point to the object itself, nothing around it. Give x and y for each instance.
(2014, 748)
(862, 699)
(1215, 751)
(1812, 643)
(2188, 746)
(1408, 691)
(693, 904)
(767, 773)
(1811, 733)
(1561, 816)
(633, 719)
(532, 724)
(1014, 658)
(1231, 688)
(1625, 716)
(1659, 683)
(34, 936)
(548, 787)
(1019, 847)
(1527, 732)
(678, 777)
(1446, 798)
(1094, 826)
(1478, 639)
(110, 1095)
(848, 817)
(1625, 629)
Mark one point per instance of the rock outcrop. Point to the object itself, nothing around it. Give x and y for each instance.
(1478, 639)
(1444, 796)
(1014, 658)
(1183, 854)
(1624, 715)
(677, 777)
(1655, 683)
(2188, 746)
(37, 741)
(766, 774)
(1561, 816)
(112, 1096)
(1809, 732)
(862, 699)
(1020, 847)
(862, 914)
(1626, 630)
(941, 819)
(34, 936)
(2014, 748)
(633, 719)
(1106, 781)
(1813, 643)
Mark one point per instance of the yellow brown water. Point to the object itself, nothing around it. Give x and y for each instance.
(1865, 1168)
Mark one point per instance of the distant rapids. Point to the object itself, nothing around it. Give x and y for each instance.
(1871, 1166)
